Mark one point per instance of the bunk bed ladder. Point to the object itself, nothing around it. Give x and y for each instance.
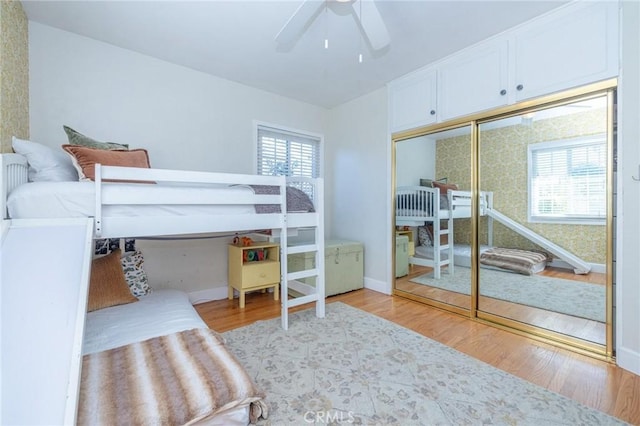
(438, 231)
(293, 280)
(438, 248)
(449, 245)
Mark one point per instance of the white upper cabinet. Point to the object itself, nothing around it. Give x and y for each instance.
(569, 47)
(475, 80)
(412, 100)
(572, 47)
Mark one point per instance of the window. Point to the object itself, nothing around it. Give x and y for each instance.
(568, 180)
(286, 153)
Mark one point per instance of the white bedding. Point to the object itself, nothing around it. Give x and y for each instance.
(156, 314)
(77, 199)
(461, 253)
(459, 212)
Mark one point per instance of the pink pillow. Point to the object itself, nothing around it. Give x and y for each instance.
(444, 187)
(85, 159)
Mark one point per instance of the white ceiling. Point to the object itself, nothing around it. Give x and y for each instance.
(235, 39)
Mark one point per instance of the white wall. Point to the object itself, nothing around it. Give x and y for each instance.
(418, 159)
(357, 176)
(628, 226)
(184, 118)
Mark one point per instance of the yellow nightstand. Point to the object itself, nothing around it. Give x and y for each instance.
(255, 267)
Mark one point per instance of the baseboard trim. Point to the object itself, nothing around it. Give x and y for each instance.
(628, 359)
(376, 285)
(219, 293)
(595, 267)
(208, 295)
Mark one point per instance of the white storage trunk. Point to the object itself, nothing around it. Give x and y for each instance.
(344, 266)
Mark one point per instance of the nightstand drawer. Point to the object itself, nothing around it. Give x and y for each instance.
(260, 273)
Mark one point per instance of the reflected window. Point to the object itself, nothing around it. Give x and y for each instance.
(567, 180)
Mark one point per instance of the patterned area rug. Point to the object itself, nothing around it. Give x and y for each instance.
(355, 368)
(579, 299)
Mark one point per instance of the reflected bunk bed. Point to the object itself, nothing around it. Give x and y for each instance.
(421, 205)
(129, 202)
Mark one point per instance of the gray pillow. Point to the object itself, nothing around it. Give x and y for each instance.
(77, 138)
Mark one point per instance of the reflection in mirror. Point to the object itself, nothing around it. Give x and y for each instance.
(545, 259)
(433, 216)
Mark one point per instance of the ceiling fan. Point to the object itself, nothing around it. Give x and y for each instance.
(365, 13)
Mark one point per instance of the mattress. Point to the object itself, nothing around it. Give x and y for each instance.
(462, 257)
(461, 253)
(525, 262)
(459, 212)
(77, 199)
(158, 313)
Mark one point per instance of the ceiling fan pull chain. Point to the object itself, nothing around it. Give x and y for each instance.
(360, 32)
(326, 25)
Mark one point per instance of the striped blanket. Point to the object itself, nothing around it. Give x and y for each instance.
(176, 379)
(520, 261)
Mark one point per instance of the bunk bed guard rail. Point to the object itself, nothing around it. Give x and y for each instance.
(107, 226)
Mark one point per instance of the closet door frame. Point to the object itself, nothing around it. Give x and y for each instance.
(605, 88)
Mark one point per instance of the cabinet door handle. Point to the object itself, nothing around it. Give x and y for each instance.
(432, 112)
(503, 92)
(519, 87)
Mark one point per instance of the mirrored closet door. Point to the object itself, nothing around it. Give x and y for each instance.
(432, 210)
(508, 217)
(544, 175)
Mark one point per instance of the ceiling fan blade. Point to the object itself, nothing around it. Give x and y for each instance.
(298, 22)
(372, 23)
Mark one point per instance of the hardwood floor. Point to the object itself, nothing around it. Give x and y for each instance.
(595, 383)
(581, 328)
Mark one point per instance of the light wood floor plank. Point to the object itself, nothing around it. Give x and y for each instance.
(581, 328)
(595, 383)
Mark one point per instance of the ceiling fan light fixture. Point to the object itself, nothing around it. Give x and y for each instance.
(365, 12)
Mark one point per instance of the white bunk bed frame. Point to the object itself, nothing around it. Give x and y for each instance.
(14, 172)
(419, 205)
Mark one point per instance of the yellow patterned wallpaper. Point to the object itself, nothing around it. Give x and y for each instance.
(503, 170)
(14, 73)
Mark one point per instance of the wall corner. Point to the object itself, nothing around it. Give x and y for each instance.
(14, 73)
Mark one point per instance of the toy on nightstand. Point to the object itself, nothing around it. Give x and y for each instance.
(242, 241)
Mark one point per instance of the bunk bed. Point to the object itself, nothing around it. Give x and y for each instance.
(422, 205)
(143, 202)
(125, 202)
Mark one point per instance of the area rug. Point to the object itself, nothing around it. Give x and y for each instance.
(355, 368)
(579, 299)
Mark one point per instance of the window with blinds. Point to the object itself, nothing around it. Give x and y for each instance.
(568, 181)
(287, 153)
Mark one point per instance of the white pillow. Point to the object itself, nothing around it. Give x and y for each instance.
(45, 164)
